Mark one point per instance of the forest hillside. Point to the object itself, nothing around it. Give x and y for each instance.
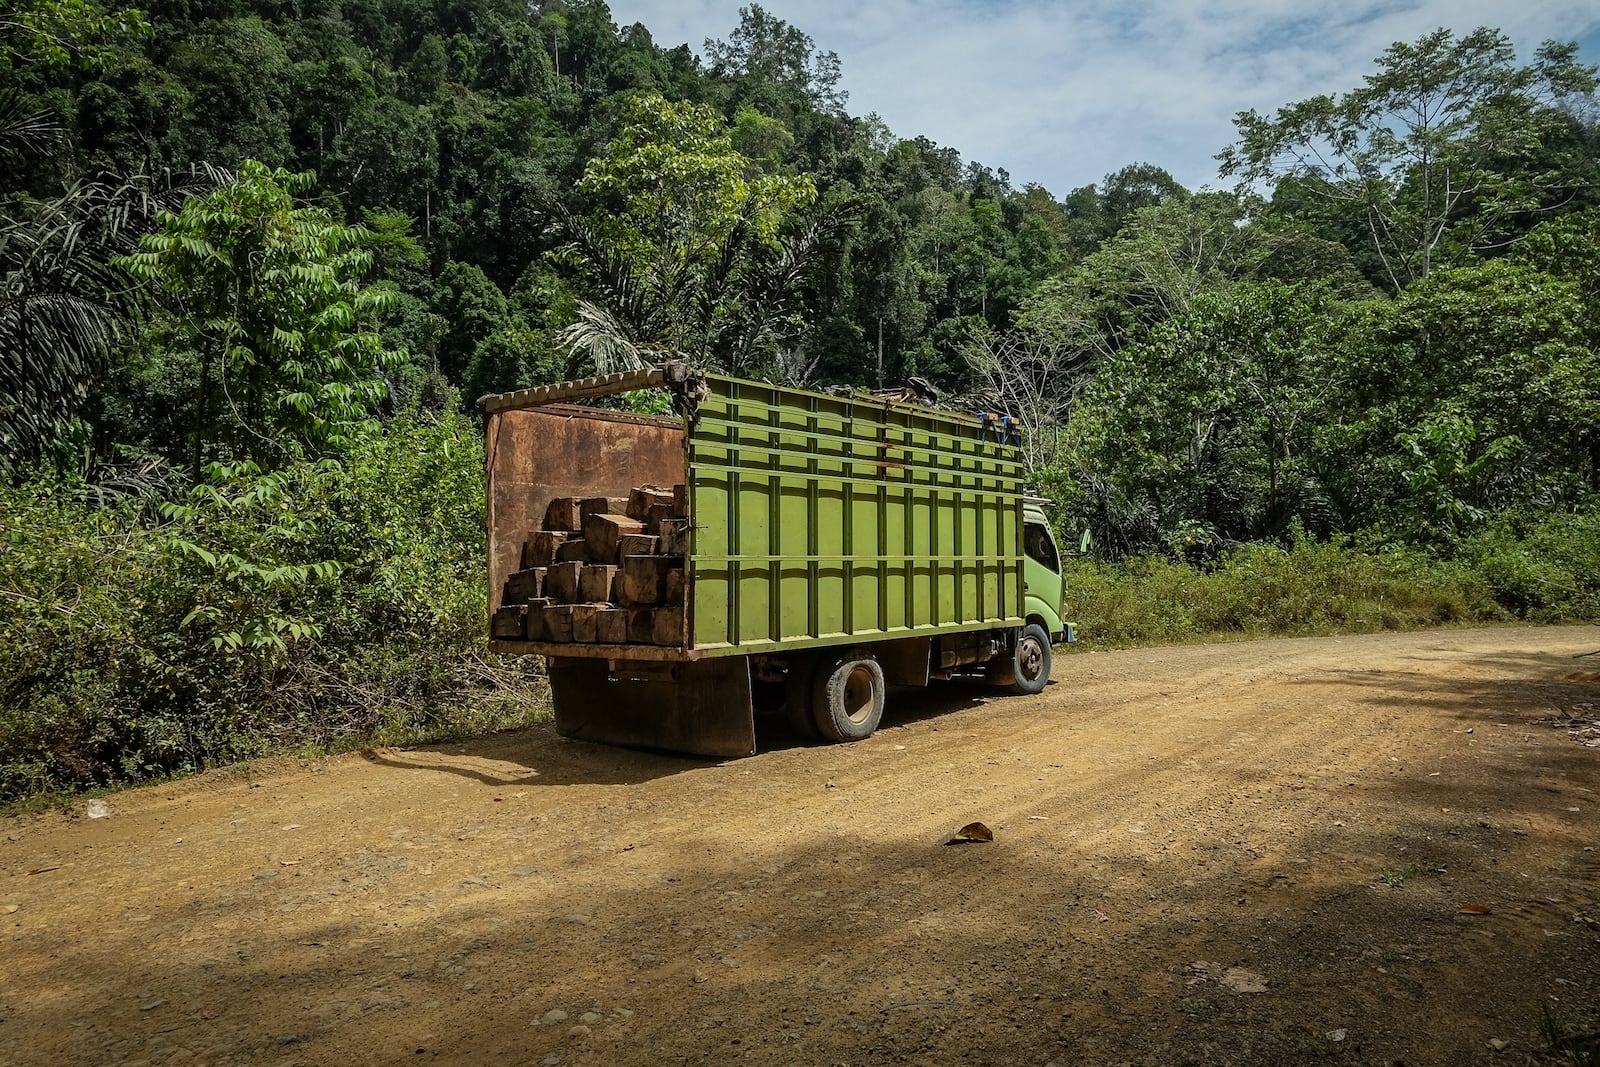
(259, 259)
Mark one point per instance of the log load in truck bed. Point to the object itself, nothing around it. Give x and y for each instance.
(762, 546)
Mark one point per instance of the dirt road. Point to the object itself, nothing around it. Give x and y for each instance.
(1244, 853)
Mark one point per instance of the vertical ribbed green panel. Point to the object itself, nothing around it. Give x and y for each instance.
(822, 518)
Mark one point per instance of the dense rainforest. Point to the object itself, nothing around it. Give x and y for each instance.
(260, 258)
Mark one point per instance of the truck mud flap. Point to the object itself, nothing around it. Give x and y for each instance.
(699, 708)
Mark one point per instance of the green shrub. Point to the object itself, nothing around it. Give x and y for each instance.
(325, 604)
(1545, 568)
(1262, 590)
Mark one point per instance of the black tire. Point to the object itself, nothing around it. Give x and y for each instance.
(797, 698)
(1030, 660)
(847, 698)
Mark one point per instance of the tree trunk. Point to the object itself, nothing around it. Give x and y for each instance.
(202, 400)
(880, 351)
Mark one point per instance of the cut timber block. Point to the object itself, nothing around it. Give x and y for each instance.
(561, 583)
(602, 505)
(594, 586)
(603, 533)
(636, 545)
(644, 580)
(675, 586)
(641, 626)
(674, 537)
(562, 514)
(558, 620)
(538, 626)
(642, 499)
(611, 626)
(510, 623)
(539, 550)
(652, 524)
(583, 622)
(523, 586)
(680, 501)
(574, 551)
(667, 626)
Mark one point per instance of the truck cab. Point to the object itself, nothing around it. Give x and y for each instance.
(1042, 585)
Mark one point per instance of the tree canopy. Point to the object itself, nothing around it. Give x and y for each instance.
(1389, 319)
(1437, 155)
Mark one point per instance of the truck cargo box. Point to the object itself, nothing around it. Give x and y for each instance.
(758, 540)
(813, 519)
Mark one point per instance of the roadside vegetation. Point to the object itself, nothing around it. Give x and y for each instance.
(258, 261)
(1543, 571)
(326, 605)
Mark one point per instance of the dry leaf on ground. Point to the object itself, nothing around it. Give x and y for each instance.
(973, 831)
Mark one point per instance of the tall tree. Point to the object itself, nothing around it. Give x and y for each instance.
(1034, 374)
(472, 307)
(1155, 267)
(1433, 153)
(1511, 349)
(691, 250)
(765, 50)
(1211, 418)
(65, 304)
(1136, 186)
(267, 295)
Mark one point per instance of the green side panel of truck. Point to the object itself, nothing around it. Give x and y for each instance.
(821, 519)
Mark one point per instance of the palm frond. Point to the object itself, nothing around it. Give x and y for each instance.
(598, 338)
(24, 131)
(65, 304)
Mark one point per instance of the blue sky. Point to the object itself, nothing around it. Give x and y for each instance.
(1062, 93)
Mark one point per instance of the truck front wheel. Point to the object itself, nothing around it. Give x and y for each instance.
(1031, 659)
(847, 699)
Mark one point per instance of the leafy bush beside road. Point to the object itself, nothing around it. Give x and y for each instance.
(326, 604)
(1543, 569)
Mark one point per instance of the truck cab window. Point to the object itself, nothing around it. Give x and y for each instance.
(1040, 546)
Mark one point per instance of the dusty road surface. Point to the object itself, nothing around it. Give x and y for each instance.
(1370, 849)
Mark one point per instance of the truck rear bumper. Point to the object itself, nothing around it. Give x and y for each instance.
(700, 708)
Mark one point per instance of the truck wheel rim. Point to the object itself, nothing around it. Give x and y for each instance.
(858, 696)
(1030, 659)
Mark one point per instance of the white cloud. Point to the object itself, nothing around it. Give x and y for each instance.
(1061, 93)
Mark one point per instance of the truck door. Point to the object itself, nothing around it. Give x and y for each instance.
(1041, 575)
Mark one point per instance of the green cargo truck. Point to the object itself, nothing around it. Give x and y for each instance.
(828, 546)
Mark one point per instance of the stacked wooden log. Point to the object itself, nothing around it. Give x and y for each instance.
(602, 570)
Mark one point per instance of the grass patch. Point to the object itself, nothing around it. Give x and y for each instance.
(1579, 1048)
(1545, 571)
(329, 607)
(1397, 876)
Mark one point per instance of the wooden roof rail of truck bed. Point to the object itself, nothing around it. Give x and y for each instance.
(667, 374)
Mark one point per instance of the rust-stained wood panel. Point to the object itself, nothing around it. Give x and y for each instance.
(538, 454)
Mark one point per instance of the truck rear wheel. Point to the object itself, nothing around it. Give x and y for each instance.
(847, 698)
(1030, 659)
